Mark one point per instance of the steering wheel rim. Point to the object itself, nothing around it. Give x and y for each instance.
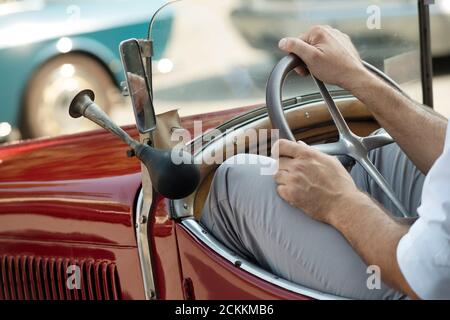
(349, 143)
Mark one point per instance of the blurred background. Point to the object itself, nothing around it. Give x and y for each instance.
(210, 55)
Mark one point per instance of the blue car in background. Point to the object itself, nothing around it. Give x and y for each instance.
(52, 48)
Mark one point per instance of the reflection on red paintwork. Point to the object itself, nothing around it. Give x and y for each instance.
(214, 278)
(73, 197)
(69, 189)
(165, 251)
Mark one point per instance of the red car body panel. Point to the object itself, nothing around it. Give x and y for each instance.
(73, 190)
(74, 196)
(165, 252)
(214, 278)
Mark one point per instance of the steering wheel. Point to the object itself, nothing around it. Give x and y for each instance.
(349, 143)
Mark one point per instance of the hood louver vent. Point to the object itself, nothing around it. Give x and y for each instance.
(43, 278)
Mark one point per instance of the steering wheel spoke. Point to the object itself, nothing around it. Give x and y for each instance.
(332, 149)
(336, 114)
(377, 141)
(349, 144)
(376, 176)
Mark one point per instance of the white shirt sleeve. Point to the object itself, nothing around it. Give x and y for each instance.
(423, 253)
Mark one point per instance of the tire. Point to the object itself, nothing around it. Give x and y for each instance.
(47, 98)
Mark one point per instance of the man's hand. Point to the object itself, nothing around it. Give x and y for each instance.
(312, 181)
(329, 55)
(319, 185)
(138, 90)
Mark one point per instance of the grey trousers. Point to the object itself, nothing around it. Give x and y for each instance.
(244, 212)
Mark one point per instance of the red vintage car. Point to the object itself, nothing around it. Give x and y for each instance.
(132, 228)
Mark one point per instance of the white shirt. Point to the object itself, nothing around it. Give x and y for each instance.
(424, 252)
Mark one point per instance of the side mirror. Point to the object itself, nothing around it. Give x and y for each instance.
(138, 86)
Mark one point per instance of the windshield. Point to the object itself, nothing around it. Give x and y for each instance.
(220, 53)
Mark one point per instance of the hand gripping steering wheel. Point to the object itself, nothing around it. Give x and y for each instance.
(349, 143)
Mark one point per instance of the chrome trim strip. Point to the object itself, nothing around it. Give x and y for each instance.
(203, 235)
(142, 212)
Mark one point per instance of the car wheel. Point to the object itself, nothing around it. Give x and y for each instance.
(49, 92)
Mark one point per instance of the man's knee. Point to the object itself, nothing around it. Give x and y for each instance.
(240, 187)
(234, 201)
(238, 171)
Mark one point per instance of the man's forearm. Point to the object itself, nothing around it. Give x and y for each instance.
(418, 130)
(373, 235)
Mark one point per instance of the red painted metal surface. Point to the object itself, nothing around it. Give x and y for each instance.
(165, 252)
(215, 278)
(43, 254)
(212, 120)
(74, 189)
(18, 274)
(179, 258)
(72, 197)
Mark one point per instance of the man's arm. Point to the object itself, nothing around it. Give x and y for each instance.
(418, 130)
(319, 185)
(374, 235)
(331, 57)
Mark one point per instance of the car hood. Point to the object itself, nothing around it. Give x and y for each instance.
(89, 155)
(75, 188)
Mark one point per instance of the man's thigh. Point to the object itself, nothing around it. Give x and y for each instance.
(245, 212)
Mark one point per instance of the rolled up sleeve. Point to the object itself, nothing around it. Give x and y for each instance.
(424, 259)
(423, 254)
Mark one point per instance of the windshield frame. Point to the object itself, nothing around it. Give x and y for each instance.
(425, 52)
